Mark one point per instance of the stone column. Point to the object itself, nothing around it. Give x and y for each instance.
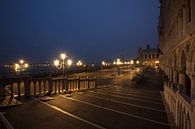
(27, 87)
(193, 115)
(50, 85)
(192, 86)
(193, 100)
(79, 84)
(175, 81)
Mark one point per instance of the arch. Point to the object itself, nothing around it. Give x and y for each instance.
(183, 61)
(183, 68)
(191, 57)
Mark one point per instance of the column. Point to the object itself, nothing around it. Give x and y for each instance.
(27, 87)
(193, 100)
(192, 86)
(193, 115)
(50, 85)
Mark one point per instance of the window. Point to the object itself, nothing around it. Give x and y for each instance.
(153, 56)
(189, 10)
(149, 56)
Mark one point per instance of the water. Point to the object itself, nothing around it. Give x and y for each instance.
(10, 72)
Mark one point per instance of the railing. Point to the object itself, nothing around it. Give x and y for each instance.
(17, 87)
(179, 106)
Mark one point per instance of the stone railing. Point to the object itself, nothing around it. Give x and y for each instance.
(179, 107)
(17, 87)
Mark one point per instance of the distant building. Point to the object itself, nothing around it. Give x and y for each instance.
(149, 56)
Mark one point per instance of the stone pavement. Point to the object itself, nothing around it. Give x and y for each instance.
(107, 107)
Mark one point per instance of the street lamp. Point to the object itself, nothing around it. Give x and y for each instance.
(79, 63)
(103, 63)
(56, 63)
(118, 63)
(63, 56)
(131, 62)
(69, 62)
(21, 61)
(60, 64)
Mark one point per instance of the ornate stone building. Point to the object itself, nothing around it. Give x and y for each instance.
(177, 44)
(149, 56)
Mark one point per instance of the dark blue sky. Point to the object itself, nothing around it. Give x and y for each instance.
(38, 30)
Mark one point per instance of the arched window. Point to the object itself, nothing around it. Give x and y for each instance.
(187, 79)
(189, 10)
(149, 56)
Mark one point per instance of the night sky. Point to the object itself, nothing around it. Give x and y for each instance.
(91, 30)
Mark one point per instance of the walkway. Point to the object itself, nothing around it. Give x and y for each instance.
(107, 107)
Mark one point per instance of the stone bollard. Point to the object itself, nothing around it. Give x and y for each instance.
(95, 80)
(50, 85)
(79, 84)
(27, 87)
(88, 85)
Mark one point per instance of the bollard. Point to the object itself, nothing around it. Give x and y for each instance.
(88, 82)
(50, 85)
(95, 80)
(27, 87)
(79, 85)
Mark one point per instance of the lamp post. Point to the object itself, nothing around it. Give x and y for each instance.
(132, 62)
(79, 63)
(118, 63)
(60, 64)
(63, 56)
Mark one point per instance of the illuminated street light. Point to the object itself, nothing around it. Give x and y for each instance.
(63, 56)
(132, 62)
(137, 62)
(79, 63)
(21, 61)
(118, 63)
(60, 64)
(56, 63)
(69, 62)
(21, 66)
(103, 63)
(26, 65)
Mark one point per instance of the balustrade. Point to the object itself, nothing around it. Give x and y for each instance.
(17, 87)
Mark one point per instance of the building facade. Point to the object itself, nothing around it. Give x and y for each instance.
(177, 44)
(149, 56)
